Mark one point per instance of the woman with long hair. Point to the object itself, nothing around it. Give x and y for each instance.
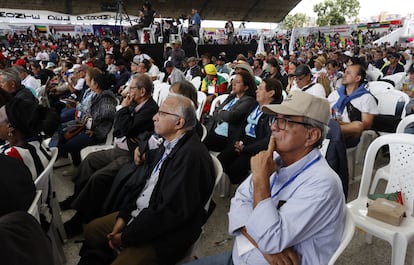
(228, 118)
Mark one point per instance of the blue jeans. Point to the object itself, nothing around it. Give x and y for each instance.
(220, 259)
(67, 114)
(75, 145)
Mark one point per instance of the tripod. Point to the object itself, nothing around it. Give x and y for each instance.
(121, 13)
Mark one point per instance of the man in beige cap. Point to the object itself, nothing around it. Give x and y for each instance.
(292, 206)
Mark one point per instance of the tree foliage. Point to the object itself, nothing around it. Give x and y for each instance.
(294, 21)
(336, 12)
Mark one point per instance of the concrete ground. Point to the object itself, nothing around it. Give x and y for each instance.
(215, 238)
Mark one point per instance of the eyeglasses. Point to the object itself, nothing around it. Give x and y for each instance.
(163, 113)
(282, 122)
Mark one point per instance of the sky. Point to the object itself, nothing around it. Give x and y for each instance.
(368, 7)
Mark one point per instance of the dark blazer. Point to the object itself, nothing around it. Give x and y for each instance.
(172, 222)
(17, 189)
(235, 116)
(130, 123)
(23, 241)
(336, 154)
(263, 132)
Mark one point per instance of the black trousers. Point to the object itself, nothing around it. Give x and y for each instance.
(94, 180)
(235, 165)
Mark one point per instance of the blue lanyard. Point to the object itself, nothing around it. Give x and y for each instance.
(256, 112)
(291, 179)
(229, 105)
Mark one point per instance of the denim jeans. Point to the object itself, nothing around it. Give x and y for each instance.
(220, 259)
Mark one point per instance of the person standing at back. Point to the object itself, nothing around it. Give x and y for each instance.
(195, 23)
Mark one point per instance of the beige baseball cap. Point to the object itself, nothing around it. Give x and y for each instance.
(303, 104)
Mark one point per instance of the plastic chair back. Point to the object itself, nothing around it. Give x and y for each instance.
(204, 132)
(34, 207)
(217, 101)
(42, 181)
(401, 172)
(224, 75)
(379, 87)
(218, 169)
(407, 120)
(156, 92)
(347, 235)
(164, 91)
(161, 76)
(196, 81)
(388, 98)
(396, 78)
(201, 100)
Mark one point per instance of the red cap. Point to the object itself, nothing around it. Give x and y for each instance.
(20, 62)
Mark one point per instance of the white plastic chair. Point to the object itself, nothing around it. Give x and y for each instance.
(400, 179)
(48, 197)
(42, 96)
(224, 75)
(388, 99)
(324, 147)
(98, 147)
(203, 137)
(164, 92)
(217, 101)
(396, 78)
(201, 100)
(384, 172)
(284, 94)
(347, 235)
(34, 208)
(196, 81)
(156, 92)
(407, 120)
(374, 74)
(151, 32)
(161, 76)
(379, 87)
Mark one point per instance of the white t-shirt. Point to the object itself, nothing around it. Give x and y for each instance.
(79, 84)
(316, 89)
(365, 104)
(154, 70)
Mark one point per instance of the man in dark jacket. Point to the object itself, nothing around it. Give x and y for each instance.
(97, 171)
(11, 83)
(166, 217)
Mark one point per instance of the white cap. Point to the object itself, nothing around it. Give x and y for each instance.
(348, 53)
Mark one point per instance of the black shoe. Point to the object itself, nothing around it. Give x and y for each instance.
(66, 204)
(74, 226)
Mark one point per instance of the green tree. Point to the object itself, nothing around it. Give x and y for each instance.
(336, 12)
(294, 21)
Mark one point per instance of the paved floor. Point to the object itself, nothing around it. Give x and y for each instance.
(215, 238)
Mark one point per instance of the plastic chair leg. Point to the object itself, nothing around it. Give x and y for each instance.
(57, 218)
(368, 238)
(224, 186)
(399, 250)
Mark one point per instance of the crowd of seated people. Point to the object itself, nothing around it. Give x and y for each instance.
(157, 152)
